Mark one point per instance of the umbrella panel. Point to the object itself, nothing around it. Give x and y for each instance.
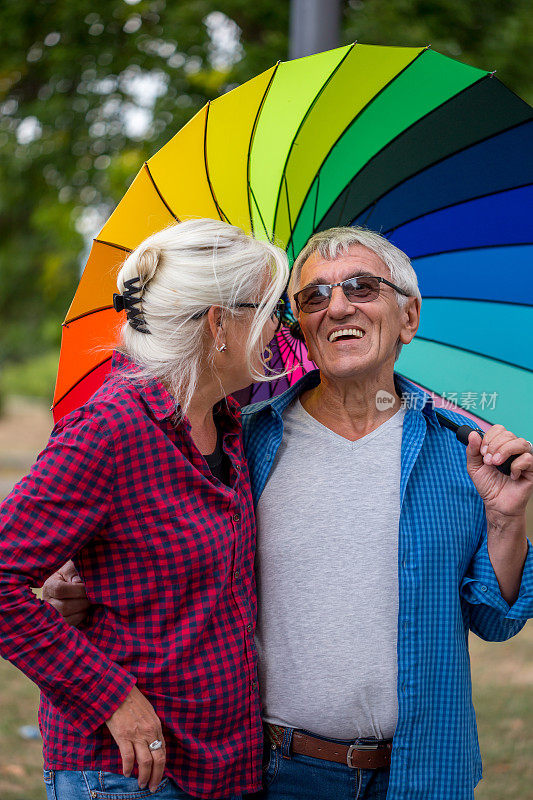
(428, 81)
(490, 166)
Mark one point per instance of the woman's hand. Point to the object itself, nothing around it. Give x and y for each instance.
(133, 726)
(65, 591)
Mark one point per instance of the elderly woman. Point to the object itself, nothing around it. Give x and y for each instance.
(148, 486)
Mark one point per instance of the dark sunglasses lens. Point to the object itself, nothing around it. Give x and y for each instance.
(361, 290)
(314, 298)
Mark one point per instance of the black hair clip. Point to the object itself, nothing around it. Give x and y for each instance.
(128, 302)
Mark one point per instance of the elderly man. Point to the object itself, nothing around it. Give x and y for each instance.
(381, 543)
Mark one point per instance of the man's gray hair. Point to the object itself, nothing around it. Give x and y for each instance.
(336, 241)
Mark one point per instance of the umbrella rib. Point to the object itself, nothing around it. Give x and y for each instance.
(459, 203)
(154, 184)
(302, 122)
(252, 137)
(219, 209)
(67, 322)
(342, 209)
(80, 380)
(474, 353)
(476, 300)
(354, 120)
(259, 212)
(478, 247)
(316, 202)
(112, 244)
(288, 213)
(372, 205)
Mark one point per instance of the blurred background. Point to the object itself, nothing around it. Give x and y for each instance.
(88, 92)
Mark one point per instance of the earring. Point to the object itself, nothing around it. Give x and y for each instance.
(269, 356)
(220, 349)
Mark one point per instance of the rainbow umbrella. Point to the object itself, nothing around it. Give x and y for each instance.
(432, 153)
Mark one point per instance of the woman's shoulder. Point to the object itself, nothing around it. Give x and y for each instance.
(116, 405)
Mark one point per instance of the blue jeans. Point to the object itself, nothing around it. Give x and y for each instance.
(94, 785)
(303, 777)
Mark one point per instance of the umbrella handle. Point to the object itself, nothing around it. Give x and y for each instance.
(462, 434)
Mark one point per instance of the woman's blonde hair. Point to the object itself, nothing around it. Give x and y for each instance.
(183, 270)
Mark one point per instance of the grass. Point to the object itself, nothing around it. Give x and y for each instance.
(20, 760)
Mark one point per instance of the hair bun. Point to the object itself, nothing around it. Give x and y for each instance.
(147, 263)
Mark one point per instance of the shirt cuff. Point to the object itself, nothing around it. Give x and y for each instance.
(99, 702)
(481, 586)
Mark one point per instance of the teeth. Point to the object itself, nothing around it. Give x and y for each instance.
(357, 332)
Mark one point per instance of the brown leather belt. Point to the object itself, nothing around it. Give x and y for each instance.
(362, 755)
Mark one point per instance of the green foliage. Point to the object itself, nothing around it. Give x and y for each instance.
(487, 34)
(70, 74)
(35, 377)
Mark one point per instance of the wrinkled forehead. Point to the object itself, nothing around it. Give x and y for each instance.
(357, 260)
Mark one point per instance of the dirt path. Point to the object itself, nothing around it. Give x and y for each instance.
(24, 430)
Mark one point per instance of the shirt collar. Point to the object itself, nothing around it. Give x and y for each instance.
(159, 400)
(414, 398)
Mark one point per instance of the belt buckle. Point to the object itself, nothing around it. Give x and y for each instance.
(362, 744)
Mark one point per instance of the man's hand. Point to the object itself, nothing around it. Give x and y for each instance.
(133, 726)
(505, 498)
(65, 591)
(502, 494)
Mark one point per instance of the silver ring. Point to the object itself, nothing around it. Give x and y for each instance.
(156, 745)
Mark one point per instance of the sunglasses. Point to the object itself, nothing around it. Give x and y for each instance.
(362, 289)
(276, 316)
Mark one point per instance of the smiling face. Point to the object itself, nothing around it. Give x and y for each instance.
(355, 339)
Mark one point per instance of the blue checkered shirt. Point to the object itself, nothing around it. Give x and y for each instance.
(447, 587)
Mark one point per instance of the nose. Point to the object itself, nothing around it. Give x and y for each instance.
(339, 305)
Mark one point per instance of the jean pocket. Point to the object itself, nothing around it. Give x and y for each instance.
(270, 768)
(49, 784)
(110, 786)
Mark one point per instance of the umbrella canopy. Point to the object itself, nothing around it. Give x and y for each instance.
(432, 153)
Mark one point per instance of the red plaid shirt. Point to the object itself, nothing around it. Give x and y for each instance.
(166, 552)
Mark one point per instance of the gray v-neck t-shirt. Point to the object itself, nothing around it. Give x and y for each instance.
(327, 573)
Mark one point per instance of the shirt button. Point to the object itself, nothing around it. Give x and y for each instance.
(236, 574)
(249, 628)
(404, 688)
(404, 564)
(483, 588)
(236, 518)
(253, 684)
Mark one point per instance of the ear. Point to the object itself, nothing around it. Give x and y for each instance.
(215, 321)
(410, 320)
